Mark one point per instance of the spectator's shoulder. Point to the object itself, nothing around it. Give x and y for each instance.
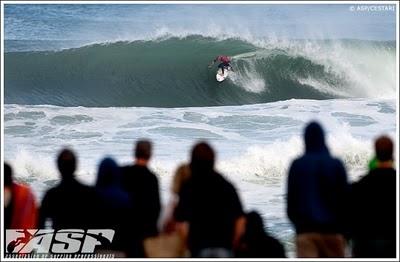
(227, 185)
(50, 194)
(338, 164)
(338, 161)
(53, 190)
(126, 168)
(364, 181)
(296, 163)
(126, 172)
(152, 176)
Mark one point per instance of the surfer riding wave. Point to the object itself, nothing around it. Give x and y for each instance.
(225, 63)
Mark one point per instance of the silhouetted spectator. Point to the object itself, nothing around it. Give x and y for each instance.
(20, 209)
(142, 186)
(256, 243)
(209, 208)
(70, 204)
(374, 207)
(181, 176)
(115, 204)
(316, 198)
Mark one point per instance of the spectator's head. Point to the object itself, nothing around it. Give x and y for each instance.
(254, 226)
(66, 163)
(143, 151)
(109, 173)
(384, 149)
(314, 138)
(203, 157)
(7, 175)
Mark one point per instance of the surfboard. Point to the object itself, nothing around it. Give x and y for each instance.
(221, 77)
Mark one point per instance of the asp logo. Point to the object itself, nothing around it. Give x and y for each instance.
(25, 241)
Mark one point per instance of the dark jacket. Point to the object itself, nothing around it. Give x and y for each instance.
(115, 204)
(70, 205)
(210, 204)
(317, 188)
(374, 205)
(142, 186)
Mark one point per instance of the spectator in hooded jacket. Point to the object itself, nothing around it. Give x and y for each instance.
(317, 191)
(115, 205)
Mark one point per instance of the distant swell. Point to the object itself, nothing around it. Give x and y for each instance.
(172, 72)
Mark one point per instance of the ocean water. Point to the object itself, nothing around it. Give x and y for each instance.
(98, 77)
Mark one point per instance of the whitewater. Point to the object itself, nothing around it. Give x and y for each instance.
(254, 143)
(96, 78)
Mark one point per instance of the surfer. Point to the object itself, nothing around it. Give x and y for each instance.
(225, 62)
(21, 240)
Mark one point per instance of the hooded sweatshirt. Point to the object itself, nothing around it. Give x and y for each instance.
(317, 187)
(115, 203)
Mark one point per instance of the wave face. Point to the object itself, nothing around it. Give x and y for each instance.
(172, 72)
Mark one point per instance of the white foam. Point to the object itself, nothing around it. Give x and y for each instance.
(369, 71)
(254, 143)
(322, 87)
(248, 77)
(269, 164)
(27, 165)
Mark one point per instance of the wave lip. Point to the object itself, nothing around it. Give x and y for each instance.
(172, 72)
